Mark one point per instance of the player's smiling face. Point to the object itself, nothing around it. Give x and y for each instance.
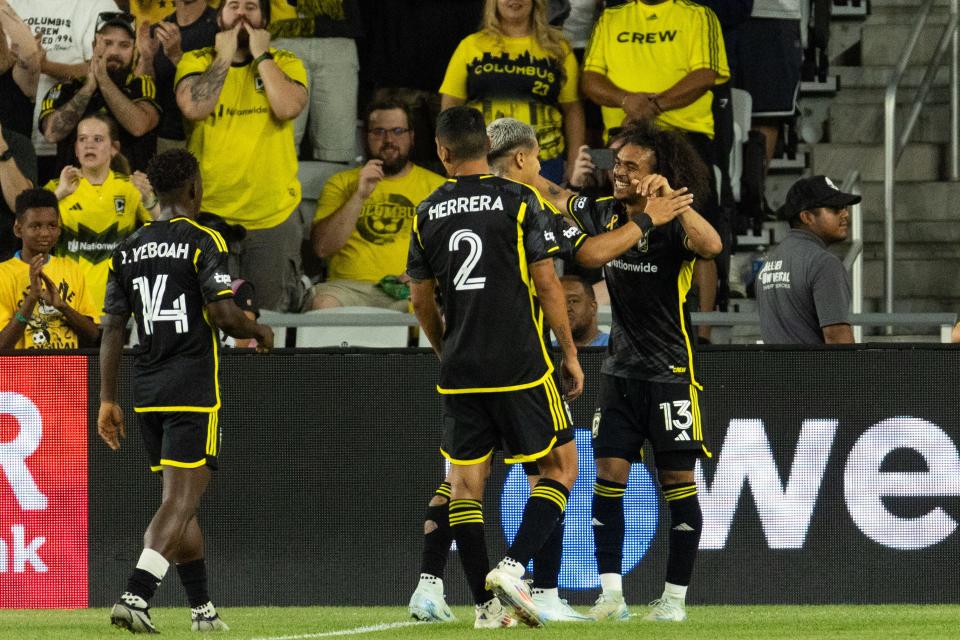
(94, 147)
(632, 163)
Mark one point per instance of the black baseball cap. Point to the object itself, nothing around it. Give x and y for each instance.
(120, 19)
(813, 192)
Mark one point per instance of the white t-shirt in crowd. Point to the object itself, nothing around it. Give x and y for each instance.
(68, 27)
(579, 24)
(779, 9)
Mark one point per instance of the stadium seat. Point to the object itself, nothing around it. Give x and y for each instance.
(742, 105)
(354, 336)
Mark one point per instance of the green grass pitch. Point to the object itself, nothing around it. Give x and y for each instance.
(382, 623)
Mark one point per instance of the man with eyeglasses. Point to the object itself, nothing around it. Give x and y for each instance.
(110, 86)
(364, 215)
(803, 292)
(66, 30)
(240, 98)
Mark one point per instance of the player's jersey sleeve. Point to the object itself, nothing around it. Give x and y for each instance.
(540, 239)
(455, 79)
(336, 191)
(588, 216)
(291, 66)
(58, 95)
(116, 302)
(571, 79)
(417, 266)
(211, 264)
(193, 63)
(678, 239)
(595, 58)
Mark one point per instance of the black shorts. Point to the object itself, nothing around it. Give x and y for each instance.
(185, 439)
(527, 423)
(634, 411)
(768, 57)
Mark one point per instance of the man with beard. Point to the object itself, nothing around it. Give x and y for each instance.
(582, 312)
(364, 215)
(110, 86)
(239, 99)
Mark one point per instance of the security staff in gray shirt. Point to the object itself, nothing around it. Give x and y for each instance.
(803, 291)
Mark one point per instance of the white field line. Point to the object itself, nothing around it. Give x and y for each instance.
(345, 632)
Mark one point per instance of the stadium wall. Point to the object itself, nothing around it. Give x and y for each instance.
(835, 478)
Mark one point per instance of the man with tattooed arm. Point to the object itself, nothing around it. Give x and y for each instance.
(239, 99)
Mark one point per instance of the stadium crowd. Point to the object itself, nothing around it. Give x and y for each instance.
(254, 87)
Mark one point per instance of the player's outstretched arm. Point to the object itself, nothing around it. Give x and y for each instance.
(110, 419)
(423, 297)
(554, 304)
(226, 315)
(554, 193)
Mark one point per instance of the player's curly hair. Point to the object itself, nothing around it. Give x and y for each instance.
(674, 158)
(171, 171)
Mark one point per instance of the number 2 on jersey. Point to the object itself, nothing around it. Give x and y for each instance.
(152, 299)
(462, 280)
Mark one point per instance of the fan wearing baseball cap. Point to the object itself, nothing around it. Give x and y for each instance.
(803, 291)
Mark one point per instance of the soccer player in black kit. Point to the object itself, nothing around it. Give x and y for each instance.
(171, 275)
(648, 389)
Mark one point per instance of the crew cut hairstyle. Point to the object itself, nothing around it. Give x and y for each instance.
(171, 171)
(463, 131)
(35, 199)
(507, 135)
(674, 158)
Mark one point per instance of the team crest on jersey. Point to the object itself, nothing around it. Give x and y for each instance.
(644, 245)
(595, 427)
(258, 83)
(119, 204)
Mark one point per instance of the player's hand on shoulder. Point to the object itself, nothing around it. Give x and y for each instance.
(370, 176)
(110, 424)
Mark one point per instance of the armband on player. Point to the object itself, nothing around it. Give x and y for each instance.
(644, 221)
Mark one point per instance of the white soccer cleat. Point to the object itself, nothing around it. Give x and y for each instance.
(666, 610)
(610, 606)
(207, 623)
(552, 608)
(492, 615)
(427, 603)
(514, 592)
(130, 614)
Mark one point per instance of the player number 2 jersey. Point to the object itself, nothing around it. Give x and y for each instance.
(164, 274)
(476, 235)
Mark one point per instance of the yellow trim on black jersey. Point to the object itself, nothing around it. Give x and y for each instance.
(212, 427)
(465, 462)
(516, 387)
(533, 456)
(535, 313)
(196, 260)
(416, 231)
(156, 469)
(220, 293)
(684, 282)
(556, 405)
(217, 238)
(182, 465)
(184, 408)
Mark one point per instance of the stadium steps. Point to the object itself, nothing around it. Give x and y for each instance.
(927, 226)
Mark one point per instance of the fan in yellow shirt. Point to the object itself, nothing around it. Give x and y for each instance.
(154, 11)
(99, 207)
(44, 303)
(364, 217)
(518, 66)
(239, 100)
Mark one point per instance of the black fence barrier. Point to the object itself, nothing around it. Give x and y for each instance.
(835, 478)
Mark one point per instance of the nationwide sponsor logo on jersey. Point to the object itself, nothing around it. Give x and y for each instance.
(641, 267)
(472, 204)
(150, 250)
(651, 37)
